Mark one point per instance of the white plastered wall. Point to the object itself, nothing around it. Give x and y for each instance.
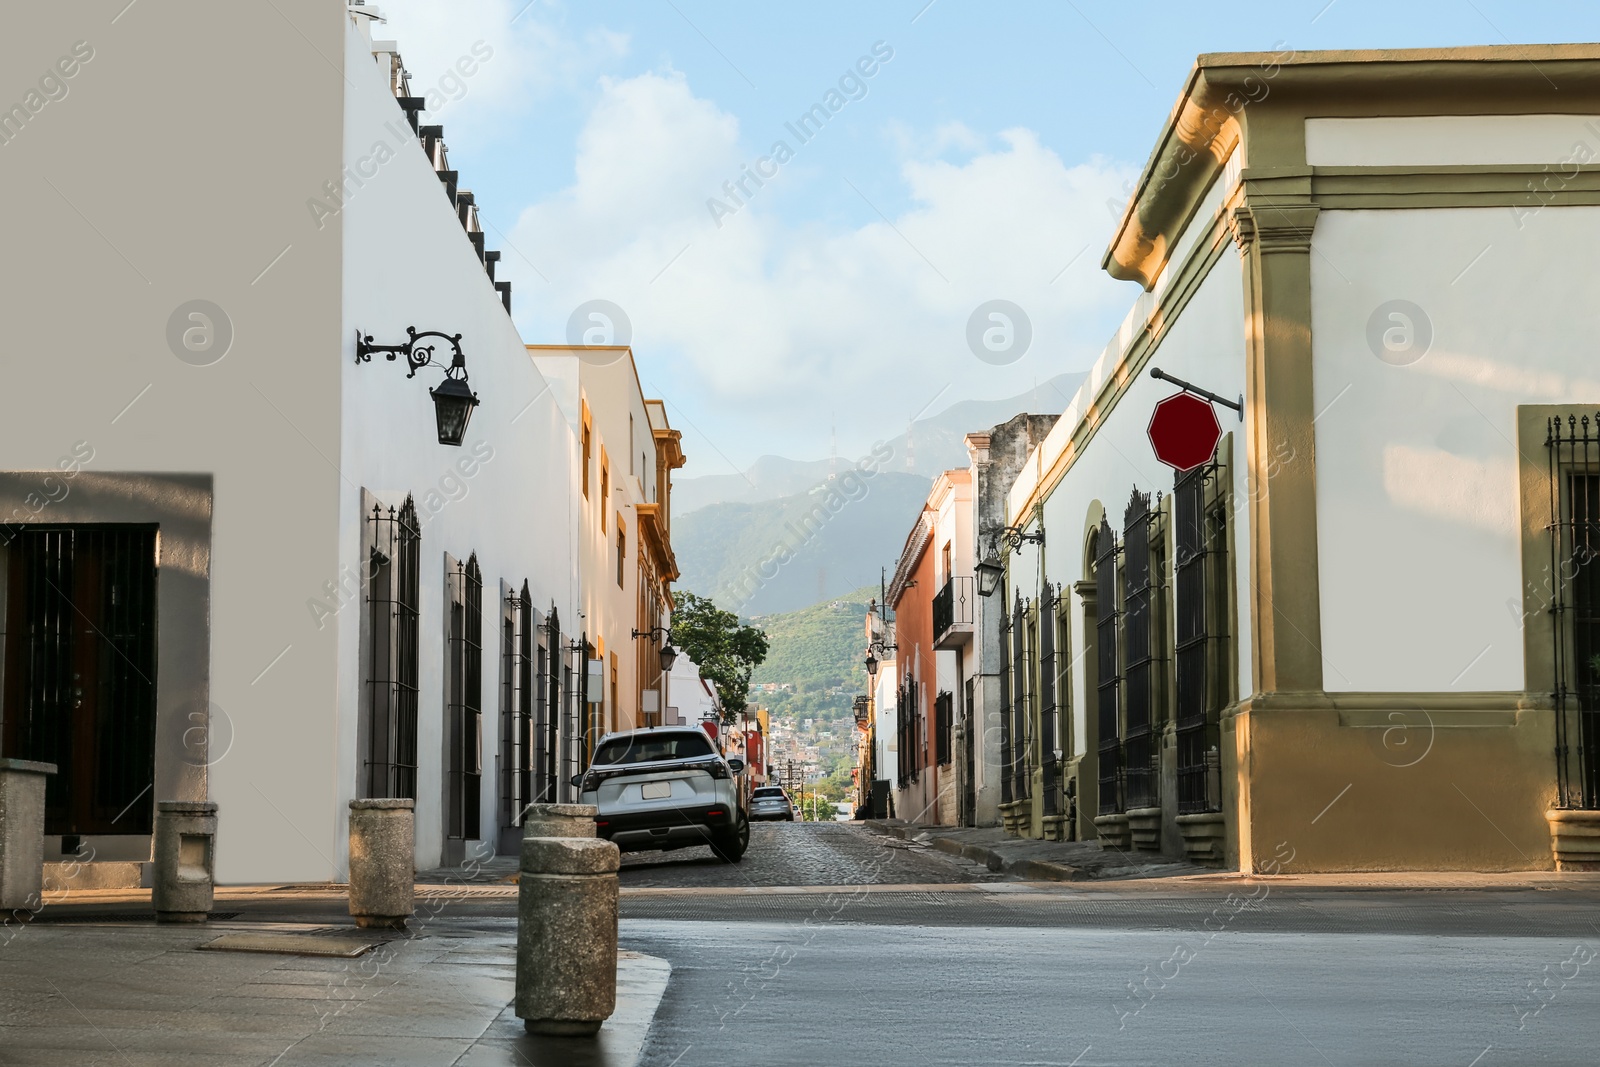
(1417, 522)
(409, 263)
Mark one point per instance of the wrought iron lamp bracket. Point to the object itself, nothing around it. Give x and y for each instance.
(417, 356)
(659, 633)
(1016, 536)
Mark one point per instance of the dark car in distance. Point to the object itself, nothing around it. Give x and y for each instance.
(771, 802)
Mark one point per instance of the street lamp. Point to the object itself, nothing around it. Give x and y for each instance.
(879, 647)
(669, 655)
(990, 571)
(992, 568)
(453, 399)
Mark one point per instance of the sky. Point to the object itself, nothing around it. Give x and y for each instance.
(973, 151)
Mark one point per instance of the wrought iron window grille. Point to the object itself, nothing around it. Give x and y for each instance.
(1201, 633)
(1573, 449)
(393, 664)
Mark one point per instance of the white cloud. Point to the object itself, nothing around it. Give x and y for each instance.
(516, 51)
(769, 326)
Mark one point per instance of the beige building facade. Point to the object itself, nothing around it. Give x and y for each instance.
(627, 453)
(1361, 637)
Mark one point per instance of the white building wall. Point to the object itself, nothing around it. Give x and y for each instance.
(171, 173)
(1417, 521)
(409, 263)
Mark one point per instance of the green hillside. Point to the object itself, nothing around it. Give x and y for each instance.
(818, 650)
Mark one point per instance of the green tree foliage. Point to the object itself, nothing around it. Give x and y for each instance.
(725, 649)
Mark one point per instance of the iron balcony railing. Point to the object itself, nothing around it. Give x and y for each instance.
(952, 606)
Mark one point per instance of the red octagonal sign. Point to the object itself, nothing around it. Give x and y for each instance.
(1184, 431)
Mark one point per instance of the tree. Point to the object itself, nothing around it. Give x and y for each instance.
(725, 649)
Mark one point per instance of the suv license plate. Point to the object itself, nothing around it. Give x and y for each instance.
(656, 790)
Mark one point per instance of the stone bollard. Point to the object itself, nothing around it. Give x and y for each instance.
(382, 862)
(22, 834)
(566, 922)
(184, 850)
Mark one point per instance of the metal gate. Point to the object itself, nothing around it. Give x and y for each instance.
(1108, 678)
(1573, 446)
(80, 670)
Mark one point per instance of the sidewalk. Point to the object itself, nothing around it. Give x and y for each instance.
(132, 994)
(1085, 861)
(1037, 861)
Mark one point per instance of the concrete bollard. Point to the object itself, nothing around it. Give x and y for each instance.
(184, 852)
(382, 862)
(22, 834)
(566, 922)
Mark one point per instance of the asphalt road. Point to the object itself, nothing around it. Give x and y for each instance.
(842, 994)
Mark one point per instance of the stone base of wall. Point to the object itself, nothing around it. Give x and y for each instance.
(1056, 828)
(1144, 827)
(1113, 831)
(1204, 837)
(1575, 839)
(78, 875)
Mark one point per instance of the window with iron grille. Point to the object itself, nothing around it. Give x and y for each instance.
(78, 627)
(944, 715)
(906, 729)
(463, 700)
(556, 688)
(1020, 786)
(1007, 665)
(1573, 447)
(1201, 632)
(393, 621)
(1108, 675)
(513, 734)
(1047, 699)
(1139, 739)
(522, 706)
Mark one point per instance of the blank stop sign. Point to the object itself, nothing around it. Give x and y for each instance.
(1184, 431)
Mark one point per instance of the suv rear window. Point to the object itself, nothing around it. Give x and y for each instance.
(648, 748)
(767, 791)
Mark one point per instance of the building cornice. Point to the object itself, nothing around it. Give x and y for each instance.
(1227, 95)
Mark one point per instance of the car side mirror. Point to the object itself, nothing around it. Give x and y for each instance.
(577, 780)
(736, 765)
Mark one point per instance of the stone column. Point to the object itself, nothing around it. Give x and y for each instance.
(382, 862)
(22, 834)
(566, 922)
(184, 850)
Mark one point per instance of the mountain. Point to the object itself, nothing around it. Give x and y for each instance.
(928, 446)
(818, 652)
(783, 554)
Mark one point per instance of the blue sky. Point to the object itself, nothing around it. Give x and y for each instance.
(980, 162)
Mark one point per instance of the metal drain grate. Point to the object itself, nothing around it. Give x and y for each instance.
(344, 946)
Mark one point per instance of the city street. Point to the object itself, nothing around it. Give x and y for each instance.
(839, 944)
(801, 854)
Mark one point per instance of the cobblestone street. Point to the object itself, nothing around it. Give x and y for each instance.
(788, 854)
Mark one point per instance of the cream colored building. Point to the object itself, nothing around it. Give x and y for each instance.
(1363, 637)
(627, 453)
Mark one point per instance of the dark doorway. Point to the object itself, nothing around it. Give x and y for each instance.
(80, 670)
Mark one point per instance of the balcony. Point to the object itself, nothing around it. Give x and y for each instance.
(952, 613)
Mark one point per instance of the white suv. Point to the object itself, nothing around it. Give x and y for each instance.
(666, 787)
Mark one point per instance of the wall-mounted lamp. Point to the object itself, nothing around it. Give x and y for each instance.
(874, 650)
(992, 568)
(453, 400)
(669, 655)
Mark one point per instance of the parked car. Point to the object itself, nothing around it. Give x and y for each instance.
(666, 787)
(771, 802)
